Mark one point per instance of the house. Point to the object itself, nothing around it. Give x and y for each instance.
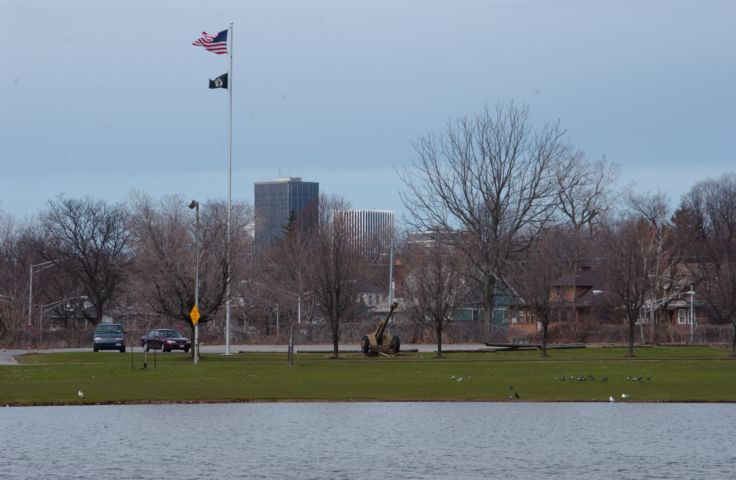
(583, 294)
(679, 308)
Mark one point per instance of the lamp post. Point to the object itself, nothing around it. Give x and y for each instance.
(195, 205)
(297, 295)
(50, 306)
(692, 313)
(36, 268)
(670, 290)
(609, 296)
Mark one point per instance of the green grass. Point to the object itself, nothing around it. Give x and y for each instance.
(686, 374)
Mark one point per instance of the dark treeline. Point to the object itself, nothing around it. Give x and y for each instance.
(510, 234)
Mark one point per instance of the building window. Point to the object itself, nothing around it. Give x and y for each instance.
(501, 316)
(682, 316)
(525, 317)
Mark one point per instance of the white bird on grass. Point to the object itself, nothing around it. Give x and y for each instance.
(81, 394)
(624, 396)
(610, 399)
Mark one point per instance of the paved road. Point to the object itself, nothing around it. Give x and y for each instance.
(7, 357)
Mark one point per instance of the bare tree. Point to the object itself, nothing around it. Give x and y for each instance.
(90, 243)
(287, 263)
(584, 197)
(165, 260)
(707, 219)
(12, 291)
(584, 188)
(631, 258)
(23, 244)
(534, 276)
(434, 284)
(493, 178)
(654, 209)
(336, 266)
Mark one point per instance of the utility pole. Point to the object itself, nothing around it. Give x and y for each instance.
(195, 348)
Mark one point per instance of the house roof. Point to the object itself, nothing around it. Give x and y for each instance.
(581, 278)
(589, 299)
(589, 281)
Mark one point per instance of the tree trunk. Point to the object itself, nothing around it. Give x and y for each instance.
(545, 324)
(489, 301)
(335, 335)
(439, 339)
(632, 333)
(98, 312)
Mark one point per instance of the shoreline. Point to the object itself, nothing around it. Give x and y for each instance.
(307, 401)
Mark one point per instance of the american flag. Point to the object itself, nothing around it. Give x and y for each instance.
(214, 43)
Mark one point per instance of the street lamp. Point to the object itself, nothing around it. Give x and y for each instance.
(597, 293)
(36, 268)
(195, 205)
(276, 289)
(692, 313)
(50, 306)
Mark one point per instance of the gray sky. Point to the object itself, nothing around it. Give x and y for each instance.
(100, 100)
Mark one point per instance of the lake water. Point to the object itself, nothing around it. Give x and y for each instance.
(370, 440)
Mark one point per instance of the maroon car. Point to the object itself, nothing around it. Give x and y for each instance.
(166, 340)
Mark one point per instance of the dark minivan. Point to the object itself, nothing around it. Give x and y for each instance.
(109, 336)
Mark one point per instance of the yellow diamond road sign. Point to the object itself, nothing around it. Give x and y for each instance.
(194, 315)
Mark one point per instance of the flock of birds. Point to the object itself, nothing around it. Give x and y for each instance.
(586, 378)
(514, 395)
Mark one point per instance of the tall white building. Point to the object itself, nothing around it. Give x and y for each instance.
(372, 230)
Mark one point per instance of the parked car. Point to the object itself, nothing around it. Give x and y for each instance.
(109, 336)
(166, 340)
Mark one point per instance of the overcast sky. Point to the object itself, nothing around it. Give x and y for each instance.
(101, 100)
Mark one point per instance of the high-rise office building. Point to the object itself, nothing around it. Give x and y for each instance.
(279, 201)
(371, 230)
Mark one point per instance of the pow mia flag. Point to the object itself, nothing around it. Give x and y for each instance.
(219, 82)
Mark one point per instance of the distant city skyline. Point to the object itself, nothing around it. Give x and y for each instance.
(102, 99)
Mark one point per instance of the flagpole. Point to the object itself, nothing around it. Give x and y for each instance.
(229, 194)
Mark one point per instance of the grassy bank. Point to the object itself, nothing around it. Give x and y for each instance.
(686, 374)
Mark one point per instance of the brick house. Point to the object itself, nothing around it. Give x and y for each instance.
(580, 295)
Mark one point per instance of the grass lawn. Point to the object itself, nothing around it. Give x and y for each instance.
(685, 374)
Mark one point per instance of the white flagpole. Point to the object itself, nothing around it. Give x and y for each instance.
(229, 195)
